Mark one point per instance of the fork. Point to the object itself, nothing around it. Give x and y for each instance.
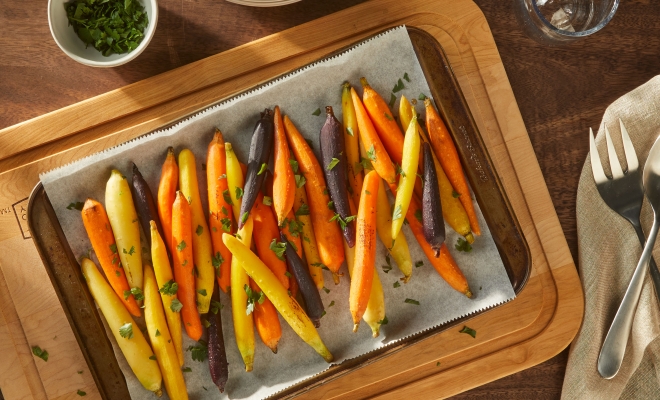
(624, 192)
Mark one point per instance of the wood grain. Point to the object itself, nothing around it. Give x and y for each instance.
(560, 91)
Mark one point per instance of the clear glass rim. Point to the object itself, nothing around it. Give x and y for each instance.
(568, 34)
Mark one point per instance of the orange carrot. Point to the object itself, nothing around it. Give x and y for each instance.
(383, 120)
(266, 231)
(376, 152)
(184, 272)
(266, 319)
(100, 235)
(445, 150)
(444, 264)
(365, 249)
(169, 179)
(328, 235)
(284, 183)
(220, 214)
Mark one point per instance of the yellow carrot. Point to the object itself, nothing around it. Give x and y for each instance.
(160, 338)
(287, 306)
(201, 238)
(397, 248)
(408, 176)
(312, 256)
(128, 335)
(243, 323)
(165, 281)
(124, 221)
(351, 143)
(452, 208)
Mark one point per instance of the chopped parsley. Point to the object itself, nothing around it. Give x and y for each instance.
(387, 268)
(396, 284)
(244, 217)
(406, 77)
(215, 306)
(181, 245)
(264, 168)
(198, 352)
(199, 230)
(469, 331)
(326, 290)
(227, 197)
(371, 153)
(317, 112)
(37, 351)
(157, 333)
(130, 252)
(422, 96)
(75, 206)
(300, 180)
(303, 210)
(294, 165)
(333, 163)
(126, 331)
(419, 264)
(418, 215)
(267, 201)
(136, 292)
(392, 100)
(383, 321)
(81, 393)
(169, 288)
(455, 194)
(252, 298)
(226, 224)
(153, 357)
(186, 369)
(278, 248)
(176, 305)
(463, 245)
(202, 292)
(411, 301)
(239, 193)
(398, 87)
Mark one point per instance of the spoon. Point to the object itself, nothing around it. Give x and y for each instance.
(614, 346)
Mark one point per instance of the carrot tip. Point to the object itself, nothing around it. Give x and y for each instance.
(248, 368)
(406, 278)
(363, 82)
(158, 393)
(335, 278)
(469, 238)
(375, 332)
(274, 350)
(468, 293)
(355, 327)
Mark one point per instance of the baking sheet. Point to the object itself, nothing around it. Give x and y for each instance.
(384, 60)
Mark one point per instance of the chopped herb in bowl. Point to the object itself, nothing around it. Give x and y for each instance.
(110, 26)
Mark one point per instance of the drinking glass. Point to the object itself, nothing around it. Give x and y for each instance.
(556, 22)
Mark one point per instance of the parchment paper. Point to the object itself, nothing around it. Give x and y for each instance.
(383, 60)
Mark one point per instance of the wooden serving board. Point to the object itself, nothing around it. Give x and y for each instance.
(531, 329)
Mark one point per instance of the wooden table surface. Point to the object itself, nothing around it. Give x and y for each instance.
(561, 92)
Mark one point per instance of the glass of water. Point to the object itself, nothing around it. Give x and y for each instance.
(556, 22)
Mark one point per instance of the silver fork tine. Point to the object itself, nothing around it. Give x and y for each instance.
(596, 166)
(615, 166)
(631, 156)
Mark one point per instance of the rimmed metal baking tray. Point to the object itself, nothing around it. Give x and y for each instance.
(66, 276)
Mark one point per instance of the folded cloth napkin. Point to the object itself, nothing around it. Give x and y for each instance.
(608, 251)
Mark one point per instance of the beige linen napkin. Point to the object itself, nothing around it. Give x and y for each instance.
(608, 251)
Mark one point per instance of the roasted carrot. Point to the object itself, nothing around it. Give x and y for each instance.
(328, 235)
(201, 240)
(184, 272)
(445, 150)
(301, 208)
(100, 235)
(293, 231)
(124, 222)
(373, 146)
(220, 214)
(444, 264)
(266, 319)
(287, 306)
(168, 288)
(169, 181)
(128, 336)
(365, 249)
(409, 165)
(452, 208)
(398, 247)
(243, 323)
(284, 182)
(266, 225)
(351, 143)
(160, 338)
(383, 121)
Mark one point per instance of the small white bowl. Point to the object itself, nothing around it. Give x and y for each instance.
(74, 47)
